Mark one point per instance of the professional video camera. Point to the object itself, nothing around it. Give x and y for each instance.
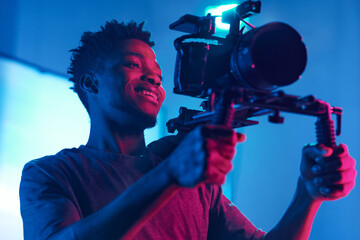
(237, 75)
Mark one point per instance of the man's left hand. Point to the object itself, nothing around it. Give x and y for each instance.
(327, 173)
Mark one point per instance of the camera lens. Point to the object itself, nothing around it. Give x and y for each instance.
(269, 57)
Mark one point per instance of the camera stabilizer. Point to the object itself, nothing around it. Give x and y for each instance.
(236, 75)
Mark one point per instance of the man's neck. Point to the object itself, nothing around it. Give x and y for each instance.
(124, 140)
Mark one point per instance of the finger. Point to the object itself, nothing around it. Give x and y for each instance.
(316, 152)
(328, 151)
(335, 178)
(313, 151)
(216, 179)
(219, 163)
(214, 176)
(341, 164)
(341, 150)
(225, 150)
(331, 190)
(241, 137)
(220, 133)
(336, 191)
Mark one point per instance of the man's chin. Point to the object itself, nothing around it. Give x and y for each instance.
(147, 121)
(139, 119)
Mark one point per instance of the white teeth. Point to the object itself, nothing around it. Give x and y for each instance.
(148, 93)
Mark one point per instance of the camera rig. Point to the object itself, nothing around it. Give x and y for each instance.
(237, 75)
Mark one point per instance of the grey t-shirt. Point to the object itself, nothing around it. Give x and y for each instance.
(58, 190)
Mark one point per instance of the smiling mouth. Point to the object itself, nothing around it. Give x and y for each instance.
(147, 93)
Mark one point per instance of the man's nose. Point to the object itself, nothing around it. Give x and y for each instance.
(152, 78)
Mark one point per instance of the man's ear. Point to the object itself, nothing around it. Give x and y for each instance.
(88, 83)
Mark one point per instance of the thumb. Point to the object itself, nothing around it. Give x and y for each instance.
(240, 137)
(312, 151)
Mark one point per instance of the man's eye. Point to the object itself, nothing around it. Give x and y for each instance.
(132, 65)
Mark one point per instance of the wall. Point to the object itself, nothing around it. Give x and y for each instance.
(266, 166)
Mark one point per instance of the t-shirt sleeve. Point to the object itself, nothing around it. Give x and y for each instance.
(227, 222)
(44, 203)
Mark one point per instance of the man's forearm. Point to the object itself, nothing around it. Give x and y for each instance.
(298, 218)
(115, 219)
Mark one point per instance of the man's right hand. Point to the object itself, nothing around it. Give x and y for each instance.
(204, 155)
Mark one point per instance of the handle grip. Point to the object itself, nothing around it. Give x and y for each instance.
(325, 129)
(325, 132)
(224, 110)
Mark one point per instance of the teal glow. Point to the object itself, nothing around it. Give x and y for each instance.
(217, 11)
(222, 28)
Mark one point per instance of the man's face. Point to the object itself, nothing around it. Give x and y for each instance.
(131, 83)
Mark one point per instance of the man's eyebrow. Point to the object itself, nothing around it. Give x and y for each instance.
(134, 54)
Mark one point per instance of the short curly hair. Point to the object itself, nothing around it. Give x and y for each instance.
(96, 47)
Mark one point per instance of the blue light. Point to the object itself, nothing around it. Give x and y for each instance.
(217, 11)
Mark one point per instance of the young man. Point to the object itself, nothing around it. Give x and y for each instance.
(100, 190)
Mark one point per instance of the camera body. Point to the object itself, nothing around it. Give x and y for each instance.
(263, 58)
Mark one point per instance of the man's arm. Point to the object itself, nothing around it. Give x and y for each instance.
(326, 174)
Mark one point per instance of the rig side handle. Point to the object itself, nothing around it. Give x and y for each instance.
(325, 130)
